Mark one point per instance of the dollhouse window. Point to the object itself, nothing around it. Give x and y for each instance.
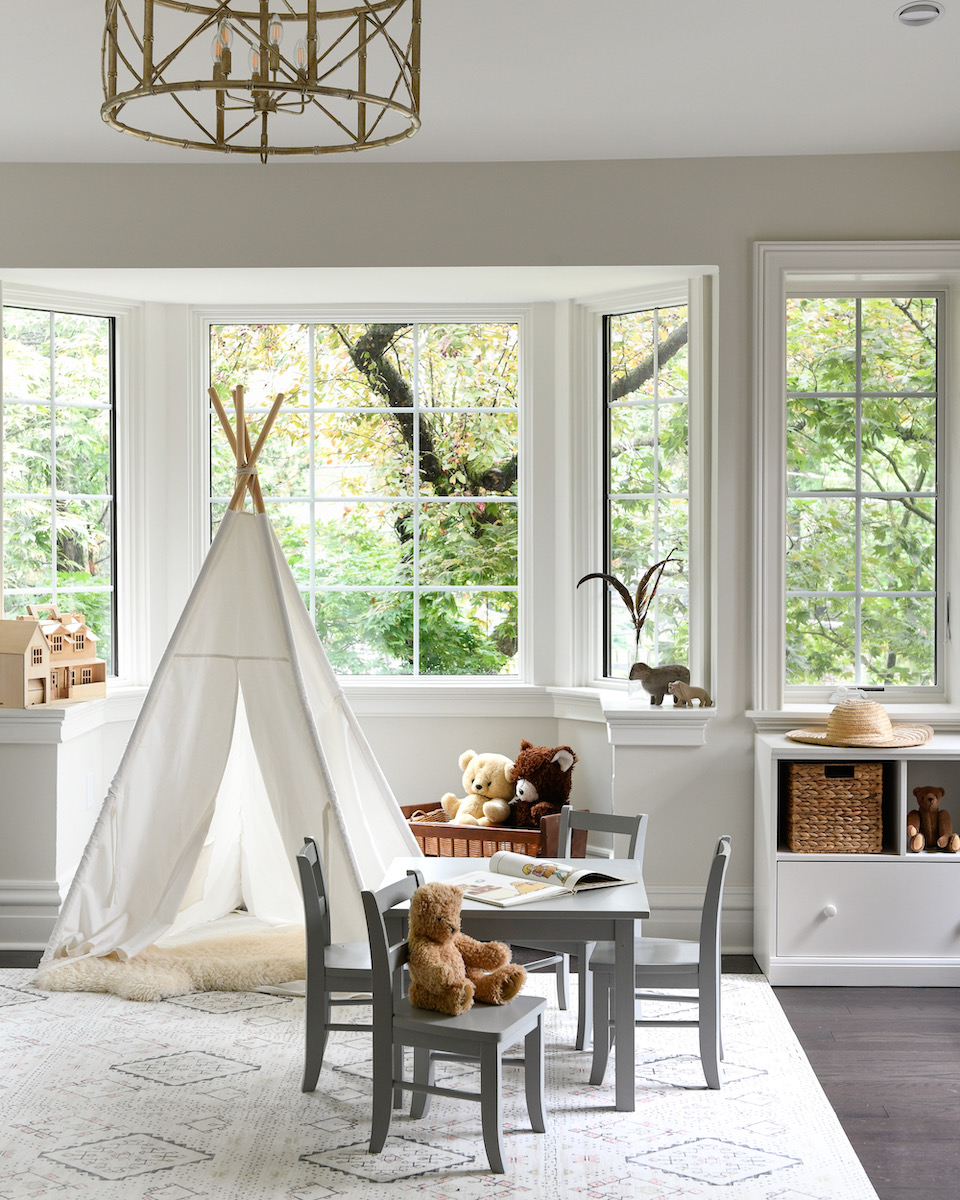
(37, 656)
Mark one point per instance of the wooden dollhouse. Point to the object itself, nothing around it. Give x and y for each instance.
(47, 657)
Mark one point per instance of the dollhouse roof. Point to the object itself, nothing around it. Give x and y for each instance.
(16, 635)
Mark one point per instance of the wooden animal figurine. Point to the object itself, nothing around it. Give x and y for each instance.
(928, 825)
(656, 680)
(684, 694)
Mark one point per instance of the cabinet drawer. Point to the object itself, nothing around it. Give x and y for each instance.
(883, 909)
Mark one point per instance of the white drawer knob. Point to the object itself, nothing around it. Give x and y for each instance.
(829, 910)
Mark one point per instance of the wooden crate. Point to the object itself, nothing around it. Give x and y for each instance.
(834, 808)
(439, 839)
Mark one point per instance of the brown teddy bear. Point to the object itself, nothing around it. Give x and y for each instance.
(928, 825)
(448, 969)
(489, 791)
(542, 778)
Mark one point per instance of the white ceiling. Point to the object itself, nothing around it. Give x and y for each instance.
(523, 80)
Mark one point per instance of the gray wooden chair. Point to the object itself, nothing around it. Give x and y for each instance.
(331, 966)
(558, 953)
(483, 1033)
(670, 963)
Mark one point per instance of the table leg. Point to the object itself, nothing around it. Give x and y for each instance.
(624, 988)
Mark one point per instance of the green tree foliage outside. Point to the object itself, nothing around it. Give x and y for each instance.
(648, 484)
(391, 479)
(57, 485)
(861, 536)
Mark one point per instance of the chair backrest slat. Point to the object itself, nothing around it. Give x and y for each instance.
(635, 828)
(314, 887)
(384, 958)
(712, 907)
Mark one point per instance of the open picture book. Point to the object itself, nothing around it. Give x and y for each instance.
(519, 879)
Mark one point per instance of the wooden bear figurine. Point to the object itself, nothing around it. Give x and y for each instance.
(928, 825)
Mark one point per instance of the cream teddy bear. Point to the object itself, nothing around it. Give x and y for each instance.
(488, 791)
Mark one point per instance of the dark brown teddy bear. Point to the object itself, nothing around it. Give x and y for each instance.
(448, 969)
(542, 778)
(928, 825)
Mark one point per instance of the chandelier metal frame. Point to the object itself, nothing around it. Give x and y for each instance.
(355, 72)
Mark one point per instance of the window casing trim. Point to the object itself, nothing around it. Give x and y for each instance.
(129, 460)
(198, 442)
(589, 472)
(859, 268)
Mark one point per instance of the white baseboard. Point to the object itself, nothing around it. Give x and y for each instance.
(28, 911)
(675, 913)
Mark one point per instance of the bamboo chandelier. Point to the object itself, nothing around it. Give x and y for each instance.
(263, 77)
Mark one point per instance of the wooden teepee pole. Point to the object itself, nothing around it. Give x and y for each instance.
(246, 458)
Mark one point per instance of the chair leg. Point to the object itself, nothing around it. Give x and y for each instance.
(423, 1072)
(533, 1076)
(710, 1051)
(563, 981)
(382, 1091)
(316, 1018)
(491, 1113)
(585, 994)
(398, 1074)
(602, 1028)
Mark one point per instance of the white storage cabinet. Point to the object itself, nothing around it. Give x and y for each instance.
(891, 918)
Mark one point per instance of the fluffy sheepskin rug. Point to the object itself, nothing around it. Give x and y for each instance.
(234, 963)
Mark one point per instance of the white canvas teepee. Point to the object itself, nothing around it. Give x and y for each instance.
(244, 744)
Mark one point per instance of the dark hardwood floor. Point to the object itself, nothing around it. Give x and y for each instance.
(888, 1060)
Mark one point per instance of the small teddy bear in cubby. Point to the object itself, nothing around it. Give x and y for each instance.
(928, 825)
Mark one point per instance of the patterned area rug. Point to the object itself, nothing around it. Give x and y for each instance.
(199, 1096)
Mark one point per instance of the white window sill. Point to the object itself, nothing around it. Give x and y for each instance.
(942, 718)
(630, 721)
(48, 724)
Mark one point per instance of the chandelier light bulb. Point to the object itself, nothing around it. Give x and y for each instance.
(216, 49)
(274, 30)
(254, 59)
(300, 55)
(225, 34)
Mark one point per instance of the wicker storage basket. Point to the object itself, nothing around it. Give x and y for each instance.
(834, 808)
(438, 839)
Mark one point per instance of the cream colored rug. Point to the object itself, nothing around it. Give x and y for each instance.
(198, 1098)
(235, 963)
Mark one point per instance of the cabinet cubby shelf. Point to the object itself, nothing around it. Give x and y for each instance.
(888, 917)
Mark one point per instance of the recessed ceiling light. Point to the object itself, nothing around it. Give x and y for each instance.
(919, 12)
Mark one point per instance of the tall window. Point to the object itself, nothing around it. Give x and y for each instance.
(58, 504)
(647, 491)
(391, 479)
(861, 513)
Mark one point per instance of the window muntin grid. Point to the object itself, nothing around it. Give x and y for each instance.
(862, 530)
(398, 508)
(647, 490)
(59, 521)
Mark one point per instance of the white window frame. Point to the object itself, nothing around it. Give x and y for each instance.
(859, 268)
(697, 293)
(202, 319)
(129, 453)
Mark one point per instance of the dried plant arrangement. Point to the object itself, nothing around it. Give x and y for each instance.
(638, 604)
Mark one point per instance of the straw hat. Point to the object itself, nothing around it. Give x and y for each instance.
(860, 722)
